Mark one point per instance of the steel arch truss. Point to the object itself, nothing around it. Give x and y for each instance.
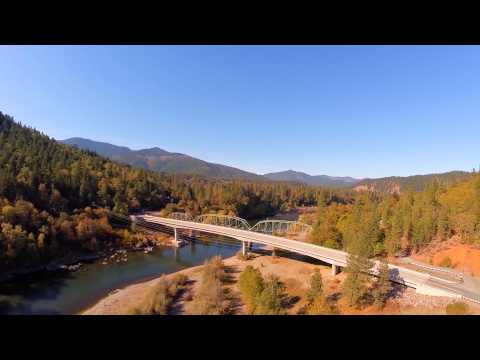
(223, 220)
(281, 227)
(181, 216)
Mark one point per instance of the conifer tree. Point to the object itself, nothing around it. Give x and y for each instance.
(355, 287)
(316, 286)
(382, 286)
(271, 298)
(251, 285)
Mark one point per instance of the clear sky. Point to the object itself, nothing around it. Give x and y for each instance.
(362, 111)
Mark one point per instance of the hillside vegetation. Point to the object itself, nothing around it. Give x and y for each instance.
(416, 182)
(389, 224)
(55, 199)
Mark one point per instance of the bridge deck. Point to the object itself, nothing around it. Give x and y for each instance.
(398, 274)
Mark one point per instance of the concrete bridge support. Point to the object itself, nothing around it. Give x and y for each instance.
(244, 248)
(335, 270)
(177, 242)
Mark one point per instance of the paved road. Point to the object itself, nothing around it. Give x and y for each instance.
(423, 282)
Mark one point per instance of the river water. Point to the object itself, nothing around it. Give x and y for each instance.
(72, 292)
(51, 293)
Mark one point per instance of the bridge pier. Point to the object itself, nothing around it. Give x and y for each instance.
(177, 242)
(335, 270)
(244, 248)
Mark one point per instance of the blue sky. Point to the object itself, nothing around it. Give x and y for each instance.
(362, 111)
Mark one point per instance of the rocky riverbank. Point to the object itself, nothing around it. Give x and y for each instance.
(74, 261)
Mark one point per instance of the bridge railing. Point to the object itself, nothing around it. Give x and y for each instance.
(266, 226)
(223, 220)
(281, 227)
(181, 216)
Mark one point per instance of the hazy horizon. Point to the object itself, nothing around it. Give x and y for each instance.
(362, 112)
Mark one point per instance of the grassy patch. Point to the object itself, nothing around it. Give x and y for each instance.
(160, 297)
(457, 308)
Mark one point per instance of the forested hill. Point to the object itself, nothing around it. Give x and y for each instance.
(55, 198)
(399, 224)
(417, 182)
(319, 180)
(161, 160)
(61, 178)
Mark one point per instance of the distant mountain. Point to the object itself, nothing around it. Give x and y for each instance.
(324, 180)
(161, 160)
(157, 159)
(416, 182)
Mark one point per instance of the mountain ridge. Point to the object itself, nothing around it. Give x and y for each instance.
(158, 159)
(322, 180)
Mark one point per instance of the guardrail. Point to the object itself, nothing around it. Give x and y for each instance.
(475, 300)
(435, 268)
(402, 275)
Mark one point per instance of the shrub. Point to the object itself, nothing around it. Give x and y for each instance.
(160, 297)
(214, 267)
(210, 297)
(446, 262)
(180, 279)
(270, 301)
(251, 285)
(320, 306)
(134, 311)
(457, 308)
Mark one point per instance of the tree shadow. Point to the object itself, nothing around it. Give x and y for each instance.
(334, 298)
(40, 286)
(289, 302)
(397, 291)
(235, 303)
(303, 310)
(229, 274)
(177, 307)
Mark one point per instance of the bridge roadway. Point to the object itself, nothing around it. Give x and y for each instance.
(422, 282)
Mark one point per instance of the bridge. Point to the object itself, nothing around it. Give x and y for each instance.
(265, 226)
(423, 282)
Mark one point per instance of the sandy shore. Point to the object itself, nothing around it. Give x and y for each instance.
(295, 275)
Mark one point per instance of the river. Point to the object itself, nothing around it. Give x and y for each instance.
(71, 292)
(58, 293)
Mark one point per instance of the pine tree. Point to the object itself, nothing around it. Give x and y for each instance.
(251, 285)
(382, 286)
(355, 287)
(270, 300)
(316, 286)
